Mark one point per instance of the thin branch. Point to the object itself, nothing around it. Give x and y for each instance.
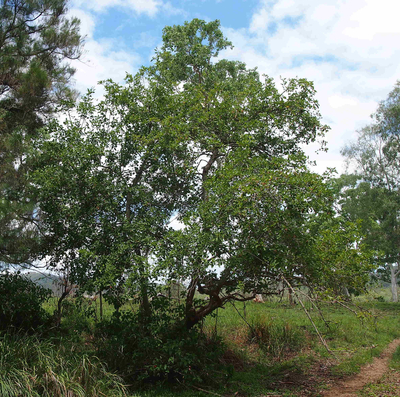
(309, 317)
(317, 307)
(241, 315)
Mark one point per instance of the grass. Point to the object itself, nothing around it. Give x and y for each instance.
(271, 348)
(30, 366)
(286, 349)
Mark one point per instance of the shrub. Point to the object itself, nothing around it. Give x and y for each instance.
(78, 317)
(156, 349)
(21, 303)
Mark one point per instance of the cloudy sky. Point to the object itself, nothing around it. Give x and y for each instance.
(349, 49)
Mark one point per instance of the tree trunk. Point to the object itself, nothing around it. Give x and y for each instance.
(291, 301)
(101, 305)
(145, 302)
(193, 316)
(346, 292)
(394, 272)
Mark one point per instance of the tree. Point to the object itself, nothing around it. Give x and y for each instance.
(372, 195)
(35, 40)
(207, 141)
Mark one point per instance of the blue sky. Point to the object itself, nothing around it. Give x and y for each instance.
(349, 49)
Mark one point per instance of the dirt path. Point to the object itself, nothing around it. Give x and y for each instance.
(370, 373)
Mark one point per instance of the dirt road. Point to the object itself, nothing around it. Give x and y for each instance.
(370, 373)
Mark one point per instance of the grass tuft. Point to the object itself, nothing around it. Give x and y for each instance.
(274, 338)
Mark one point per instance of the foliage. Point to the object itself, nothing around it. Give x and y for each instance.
(109, 200)
(343, 261)
(21, 303)
(78, 316)
(35, 40)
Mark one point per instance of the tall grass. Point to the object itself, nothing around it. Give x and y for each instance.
(276, 338)
(33, 367)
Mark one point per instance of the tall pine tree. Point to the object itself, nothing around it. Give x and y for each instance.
(36, 42)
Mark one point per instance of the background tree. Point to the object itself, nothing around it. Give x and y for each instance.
(372, 195)
(35, 40)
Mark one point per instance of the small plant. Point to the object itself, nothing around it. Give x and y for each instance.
(21, 303)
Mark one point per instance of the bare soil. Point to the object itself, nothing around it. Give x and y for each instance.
(368, 374)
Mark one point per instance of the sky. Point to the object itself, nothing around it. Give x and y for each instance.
(349, 49)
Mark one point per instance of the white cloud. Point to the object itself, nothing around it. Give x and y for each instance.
(349, 49)
(88, 21)
(168, 9)
(375, 18)
(101, 59)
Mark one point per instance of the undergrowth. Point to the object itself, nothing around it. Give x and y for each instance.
(252, 350)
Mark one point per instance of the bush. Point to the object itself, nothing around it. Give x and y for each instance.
(78, 317)
(21, 303)
(156, 349)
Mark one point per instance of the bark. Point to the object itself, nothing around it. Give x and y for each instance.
(194, 316)
(394, 272)
(66, 292)
(346, 292)
(144, 293)
(101, 305)
(206, 169)
(291, 300)
(145, 302)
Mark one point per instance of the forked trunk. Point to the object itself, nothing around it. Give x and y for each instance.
(194, 317)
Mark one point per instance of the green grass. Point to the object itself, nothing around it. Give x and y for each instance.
(395, 361)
